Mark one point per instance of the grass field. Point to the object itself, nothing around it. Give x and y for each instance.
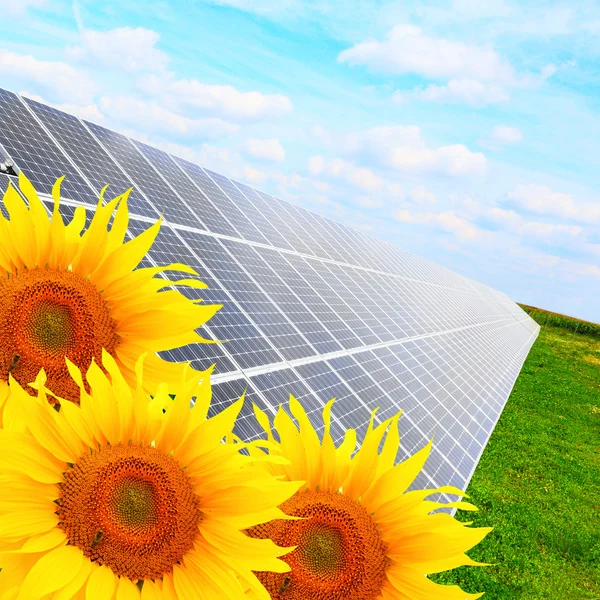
(538, 482)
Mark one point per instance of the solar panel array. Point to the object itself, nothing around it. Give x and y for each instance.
(310, 307)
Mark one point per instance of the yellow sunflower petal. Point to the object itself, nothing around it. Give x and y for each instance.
(21, 453)
(126, 590)
(417, 587)
(389, 535)
(150, 591)
(52, 572)
(81, 292)
(144, 460)
(101, 584)
(76, 585)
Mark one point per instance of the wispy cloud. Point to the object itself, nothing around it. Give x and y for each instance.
(266, 150)
(224, 101)
(543, 200)
(125, 48)
(59, 81)
(476, 74)
(402, 149)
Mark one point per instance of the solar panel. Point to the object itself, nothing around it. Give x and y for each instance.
(30, 146)
(310, 306)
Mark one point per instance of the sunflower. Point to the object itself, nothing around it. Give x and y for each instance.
(68, 293)
(132, 497)
(361, 535)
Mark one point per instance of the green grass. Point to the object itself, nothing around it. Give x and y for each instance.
(538, 481)
(545, 318)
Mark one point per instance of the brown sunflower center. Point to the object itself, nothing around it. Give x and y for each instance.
(45, 315)
(339, 551)
(131, 508)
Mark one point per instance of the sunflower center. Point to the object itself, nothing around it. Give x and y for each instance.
(131, 508)
(51, 327)
(339, 551)
(134, 503)
(45, 315)
(321, 549)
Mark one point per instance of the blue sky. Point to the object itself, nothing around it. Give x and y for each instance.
(464, 131)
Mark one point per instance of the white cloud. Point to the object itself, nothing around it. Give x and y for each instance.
(543, 200)
(588, 270)
(420, 195)
(402, 149)
(322, 186)
(363, 178)
(462, 91)
(254, 175)
(57, 81)
(266, 150)
(224, 101)
(476, 9)
(505, 134)
(548, 229)
(287, 180)
(447, 220)
(316, 164)
(125, 48)
(338, 168)
(476, 74)
(150, 116)
(408, 50)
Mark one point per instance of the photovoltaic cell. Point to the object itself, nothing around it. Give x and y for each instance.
(283, 222)
(267, 233)
(275, 230)
(87, 154)
(314, 293)
(310, 306)
(349, 409)
(242, 341)
(237, 224)
(162, 198)
(279, 294)
(253, 301)
(34, 152)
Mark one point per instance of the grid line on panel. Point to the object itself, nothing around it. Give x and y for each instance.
(224, 394)
(280, 235)
(35, 152)
(519, 360)
(234, 223)
(423, 436)
(328, 307)
(355, 313)
(295, 252)
(272, 283)
(267, 231)
(216, 220)
(304, 228)
(265, 313)
(356, 350)
(90, 158)
(157, 190)
(249, 347)
(369, 312)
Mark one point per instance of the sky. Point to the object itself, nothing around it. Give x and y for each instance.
(467, 132)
